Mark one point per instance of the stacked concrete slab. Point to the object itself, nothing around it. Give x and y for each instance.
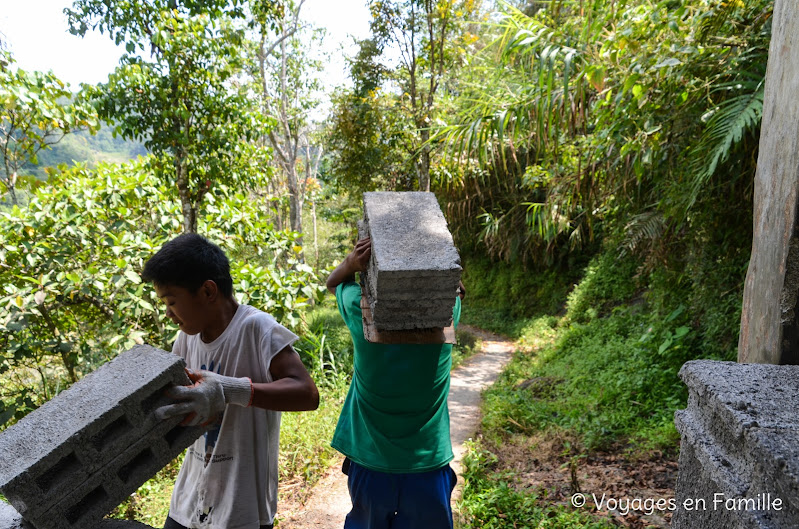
(72, 461)
(415, 268)
(739, 455)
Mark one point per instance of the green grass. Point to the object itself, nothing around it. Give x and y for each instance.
(600, 371)
(503, 297)
(493, 499)
(608, 385)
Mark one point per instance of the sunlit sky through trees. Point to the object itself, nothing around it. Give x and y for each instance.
(36, 33)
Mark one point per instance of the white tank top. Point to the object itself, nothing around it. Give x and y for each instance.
(229, 476)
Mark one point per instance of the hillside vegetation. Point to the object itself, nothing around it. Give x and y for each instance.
(595, 161)
(87, 148)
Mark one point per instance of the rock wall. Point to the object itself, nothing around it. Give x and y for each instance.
(739, 454)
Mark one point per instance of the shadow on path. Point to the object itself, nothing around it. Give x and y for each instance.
(329, 500)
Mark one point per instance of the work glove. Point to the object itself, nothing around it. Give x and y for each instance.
(204, 400)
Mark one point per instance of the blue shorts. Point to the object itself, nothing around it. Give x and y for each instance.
(399, 501)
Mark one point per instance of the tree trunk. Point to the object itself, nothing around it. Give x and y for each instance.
(423, 164)
(189, 213)
(73, 377)
(11, 184)
(315, 238)
(295, 202)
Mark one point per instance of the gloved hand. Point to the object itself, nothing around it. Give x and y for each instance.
(206, 398)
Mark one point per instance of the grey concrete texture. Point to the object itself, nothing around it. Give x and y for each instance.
(96, 497)
(409, 233)
(740, 443)
(11, 519)
(769, 318)
(407, 290)
(411, 317)
(415, 268)
(694, 483)
(82, 453)
(434, 284)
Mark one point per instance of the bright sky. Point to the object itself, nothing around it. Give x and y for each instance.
(36, 32)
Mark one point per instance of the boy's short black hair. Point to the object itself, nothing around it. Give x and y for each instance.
(188, 261)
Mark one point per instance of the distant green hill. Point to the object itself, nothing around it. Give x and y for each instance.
(83, 147)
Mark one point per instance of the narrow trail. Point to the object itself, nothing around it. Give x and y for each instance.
(329, 501)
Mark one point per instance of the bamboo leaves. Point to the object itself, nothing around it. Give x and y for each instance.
(71, 295)
(606, 98)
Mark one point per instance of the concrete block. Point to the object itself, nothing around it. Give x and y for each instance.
(739, 461)
(415, 317)
(82, 453)
(11, 519)
(414, 263)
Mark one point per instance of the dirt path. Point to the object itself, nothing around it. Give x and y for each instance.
(329, 501)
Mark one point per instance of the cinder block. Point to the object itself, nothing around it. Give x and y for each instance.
(82, 453)
(11, 519)
(739, 455)
(414, 263)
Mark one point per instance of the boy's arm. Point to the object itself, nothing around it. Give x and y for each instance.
(356, 261)
(293, 389)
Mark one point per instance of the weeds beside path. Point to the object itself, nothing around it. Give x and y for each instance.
(329, 501)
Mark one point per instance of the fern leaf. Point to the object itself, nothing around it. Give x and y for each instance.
(726, 127)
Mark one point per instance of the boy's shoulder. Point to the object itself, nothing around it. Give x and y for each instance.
(249, 316)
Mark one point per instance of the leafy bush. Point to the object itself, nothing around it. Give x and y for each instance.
(501, 296)
(72, 297)
(606, 370)
(609, 280)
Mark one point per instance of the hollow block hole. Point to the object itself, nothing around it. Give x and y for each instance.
(113, 431)
(143, 458)
(157, 397)
(173, 435)
(58, 473)
(92, 499)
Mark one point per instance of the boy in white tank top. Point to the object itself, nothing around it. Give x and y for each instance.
(245, 372)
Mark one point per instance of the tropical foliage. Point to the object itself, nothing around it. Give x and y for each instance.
(72, 295)
(612, 114)
(183, 103)
(594, 159)
(34, 115)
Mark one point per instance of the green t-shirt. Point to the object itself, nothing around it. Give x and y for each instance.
(395, 418)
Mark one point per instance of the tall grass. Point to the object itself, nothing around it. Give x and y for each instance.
(600, 372)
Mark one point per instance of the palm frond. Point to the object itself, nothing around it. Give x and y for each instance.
(541, 93)
(642, 228)
(727, 125)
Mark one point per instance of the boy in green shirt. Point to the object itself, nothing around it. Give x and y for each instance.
(394, 426)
